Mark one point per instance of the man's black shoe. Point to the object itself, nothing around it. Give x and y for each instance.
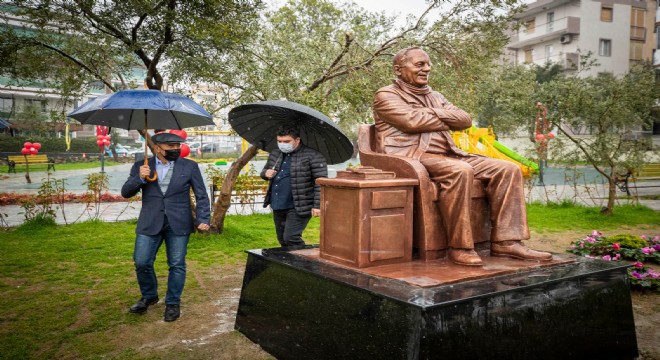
(171, 312)
(142, 305)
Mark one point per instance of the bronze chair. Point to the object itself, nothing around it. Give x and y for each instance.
(429, 230)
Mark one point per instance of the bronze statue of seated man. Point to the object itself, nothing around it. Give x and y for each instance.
(414, 121)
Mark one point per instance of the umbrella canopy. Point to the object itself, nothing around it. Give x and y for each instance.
(258, 123)
(141, 109)
(4, 123)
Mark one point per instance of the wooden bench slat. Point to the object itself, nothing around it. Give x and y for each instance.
(39, 159)
(646, 172)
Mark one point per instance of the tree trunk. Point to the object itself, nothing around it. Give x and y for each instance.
(223, 202)
(611, 196)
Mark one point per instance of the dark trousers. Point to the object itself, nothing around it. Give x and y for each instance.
(289, 226)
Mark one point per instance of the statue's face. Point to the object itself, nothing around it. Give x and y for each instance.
(415, 68)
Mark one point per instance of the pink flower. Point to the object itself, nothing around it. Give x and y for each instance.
(644, 237)
(648, 250)
(652, 273)
(596, 233)
(617, 257)
(607, 258)
(638, 264)
(616, 246)
(656, 239)
(636, 274)
(591, 240)
(656, 247)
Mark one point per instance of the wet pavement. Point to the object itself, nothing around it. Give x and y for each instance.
(583, 185)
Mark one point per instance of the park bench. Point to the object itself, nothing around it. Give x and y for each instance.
(246, 190)
(40, 159)
(646, 172)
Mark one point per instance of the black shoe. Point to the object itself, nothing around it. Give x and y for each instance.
(171, 312)
(142, 305)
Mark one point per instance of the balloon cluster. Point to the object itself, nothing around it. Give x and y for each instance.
(30, 148)
(542, 127)
(102, 137)
(102, 140)
(185, 149)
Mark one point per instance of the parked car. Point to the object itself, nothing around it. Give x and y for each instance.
(120, 149)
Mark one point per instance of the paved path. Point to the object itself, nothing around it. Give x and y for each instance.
(584, 186)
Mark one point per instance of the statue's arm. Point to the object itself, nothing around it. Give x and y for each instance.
(394, 110)
(453, 116)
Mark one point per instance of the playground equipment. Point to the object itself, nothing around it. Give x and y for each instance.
(482, 141)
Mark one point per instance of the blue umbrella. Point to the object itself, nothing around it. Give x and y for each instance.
(129, 109)
(141, 110)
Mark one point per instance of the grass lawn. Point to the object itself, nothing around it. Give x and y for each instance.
(66, 289)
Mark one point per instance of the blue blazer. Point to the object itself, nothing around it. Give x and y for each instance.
(175, 202)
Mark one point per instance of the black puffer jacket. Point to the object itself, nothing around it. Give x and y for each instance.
(307, 165)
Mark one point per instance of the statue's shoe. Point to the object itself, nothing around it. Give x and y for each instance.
(467, 257)
(516, 249)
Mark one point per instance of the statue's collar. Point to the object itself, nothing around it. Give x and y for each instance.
(411, 88)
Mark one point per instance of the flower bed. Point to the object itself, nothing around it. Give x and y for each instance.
(638, 250)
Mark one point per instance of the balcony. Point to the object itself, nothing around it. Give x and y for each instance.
(544, 32)
(638, 33)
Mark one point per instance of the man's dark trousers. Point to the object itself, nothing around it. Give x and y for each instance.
(289, 226)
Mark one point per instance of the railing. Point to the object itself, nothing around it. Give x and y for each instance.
(637, 33)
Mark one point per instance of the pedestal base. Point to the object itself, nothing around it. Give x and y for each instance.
(299, 307)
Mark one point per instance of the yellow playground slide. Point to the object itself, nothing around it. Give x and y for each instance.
(482, 141)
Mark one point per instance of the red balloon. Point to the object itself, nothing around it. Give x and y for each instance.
(25, 151)
(99, 142)
(181, 133)
(551, 136)
(540, 137)
(27, 145)
(185, 150)
(33, 151)
(107, 137)
(99, 137)
(37, 146)
(106, 142)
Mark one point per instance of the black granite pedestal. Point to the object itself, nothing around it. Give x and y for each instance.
(301, 308)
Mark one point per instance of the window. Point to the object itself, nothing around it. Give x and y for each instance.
(528, 56)
(5, 104)
(605, 47)
(606, 13)
(548, 52)
(637, 28)
(636, 48)
(550, 24)
(530, 25)
(637, 17)
(40, 105)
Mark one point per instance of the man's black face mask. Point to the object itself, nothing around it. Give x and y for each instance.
(172, 155)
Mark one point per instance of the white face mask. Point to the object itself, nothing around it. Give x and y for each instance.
(285, 147)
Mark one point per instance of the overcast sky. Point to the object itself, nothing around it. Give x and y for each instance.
(394, 7)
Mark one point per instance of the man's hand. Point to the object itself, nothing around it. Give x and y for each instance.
(203, 227)
(270, 173)
(145, 171)
(316, 212)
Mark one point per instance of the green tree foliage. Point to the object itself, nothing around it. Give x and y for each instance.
(333, 56)
(598, 115)
(73, 43)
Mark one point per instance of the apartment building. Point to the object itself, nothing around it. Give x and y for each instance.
(618, 33)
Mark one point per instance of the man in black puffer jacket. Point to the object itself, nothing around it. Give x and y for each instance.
(293, 194)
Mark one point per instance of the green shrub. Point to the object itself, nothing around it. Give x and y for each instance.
(626, 241)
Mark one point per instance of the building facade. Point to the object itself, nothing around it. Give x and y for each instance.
(618, 33)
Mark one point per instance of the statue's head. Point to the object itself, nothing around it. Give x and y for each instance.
(412, 65)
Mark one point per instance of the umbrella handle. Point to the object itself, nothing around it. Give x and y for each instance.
(146, 144)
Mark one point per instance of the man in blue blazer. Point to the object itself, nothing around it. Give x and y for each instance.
(166, 216)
